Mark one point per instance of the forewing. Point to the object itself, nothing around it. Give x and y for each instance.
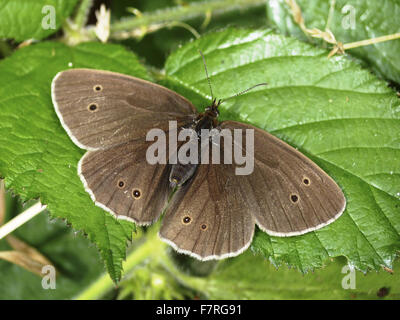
(100, 109)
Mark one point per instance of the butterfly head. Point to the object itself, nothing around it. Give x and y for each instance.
(212, 110)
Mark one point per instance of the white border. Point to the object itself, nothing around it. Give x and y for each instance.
(56, 108)
(298, 233)
(247, 245)
(207, 258)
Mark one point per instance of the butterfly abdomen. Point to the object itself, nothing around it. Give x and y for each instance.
(182, 172)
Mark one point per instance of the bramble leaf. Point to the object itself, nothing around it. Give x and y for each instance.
(25, 19)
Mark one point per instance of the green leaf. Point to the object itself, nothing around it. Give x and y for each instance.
(77, 263)
(27, 19)
(252, 277)
(371, 19)
(37, 158)
(154, 46)
(342, 117)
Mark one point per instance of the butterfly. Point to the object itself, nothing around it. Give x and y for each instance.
(210, 212)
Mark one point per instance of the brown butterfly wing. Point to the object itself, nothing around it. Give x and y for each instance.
(121, 181)
(219, 226)
(288, 193)
(115, 133)
(100, 109)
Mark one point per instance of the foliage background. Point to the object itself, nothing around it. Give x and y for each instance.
(354, 136)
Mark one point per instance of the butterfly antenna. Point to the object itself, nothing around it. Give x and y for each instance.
(208, 78)
(243, 92)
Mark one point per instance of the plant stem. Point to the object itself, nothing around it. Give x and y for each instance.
(151, 247)
(21, 219)
(82, 13)
(367, 42)
(181, 13)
